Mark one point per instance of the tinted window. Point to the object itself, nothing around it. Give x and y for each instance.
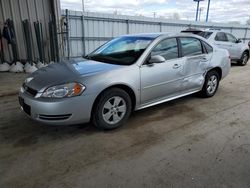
(205, 34)
(190, 46)
(122, 50)
(231, 38)
(167, 48)
(221, 36)
(207, 47)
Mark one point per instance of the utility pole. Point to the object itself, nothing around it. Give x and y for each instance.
(197, 9)
(83, 6)
(201, 9)
(208, 6)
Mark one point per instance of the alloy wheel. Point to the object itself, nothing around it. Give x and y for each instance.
(245, 59)
(212, 84)
(114, 110)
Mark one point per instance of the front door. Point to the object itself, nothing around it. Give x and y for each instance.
(161, 80)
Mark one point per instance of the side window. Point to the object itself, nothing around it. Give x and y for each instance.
(190, 46)
(208, 48)
(205, 34)
(221, 37)
(167, 48)
(231, 38)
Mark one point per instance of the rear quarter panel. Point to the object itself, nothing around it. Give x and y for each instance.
(221, 59)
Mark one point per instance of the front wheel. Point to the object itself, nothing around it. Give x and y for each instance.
(112, 109)
(244, 59)
(211, 84)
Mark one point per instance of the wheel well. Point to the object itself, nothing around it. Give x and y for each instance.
(247, 51)
(217, 69)
(120, 86)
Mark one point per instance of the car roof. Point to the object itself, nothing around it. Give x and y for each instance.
(156, 35)
(191, 30)
(149, 35)
(194, 30)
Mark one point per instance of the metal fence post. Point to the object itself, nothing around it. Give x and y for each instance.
(231, 29)
(245, 35)
(67, 30)
(83, 36)
(127, 21)
(160, 26)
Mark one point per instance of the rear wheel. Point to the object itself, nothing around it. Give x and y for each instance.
(211, 84)
(244, 59)
(112, 109)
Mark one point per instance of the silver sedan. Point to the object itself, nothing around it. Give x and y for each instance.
(128, 73)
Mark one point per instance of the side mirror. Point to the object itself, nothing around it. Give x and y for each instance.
(156, 59)
(238, 41)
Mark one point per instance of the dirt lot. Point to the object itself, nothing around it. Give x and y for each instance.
(189, 142)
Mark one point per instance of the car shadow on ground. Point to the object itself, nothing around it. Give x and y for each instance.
(19, 130)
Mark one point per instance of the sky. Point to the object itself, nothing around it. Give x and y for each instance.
(220, 10)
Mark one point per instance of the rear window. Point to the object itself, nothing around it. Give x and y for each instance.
(190, 46)
(205, 34)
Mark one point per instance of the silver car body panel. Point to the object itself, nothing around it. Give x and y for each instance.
(151, 84)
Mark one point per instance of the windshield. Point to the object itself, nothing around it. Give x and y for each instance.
(121, 51)
(205, 34)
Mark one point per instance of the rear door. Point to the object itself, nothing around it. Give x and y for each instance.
(196, 61)
(161, 80)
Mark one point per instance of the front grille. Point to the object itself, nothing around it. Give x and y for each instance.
(54, 117)
(29, 90)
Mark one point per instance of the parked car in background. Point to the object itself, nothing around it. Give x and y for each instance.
(238, 50)
(127, 73)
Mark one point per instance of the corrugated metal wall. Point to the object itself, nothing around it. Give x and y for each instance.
(98, 28)
(34, 10)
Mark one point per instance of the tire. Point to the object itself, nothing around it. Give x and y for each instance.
(244, 59)
(212, 80)
(112, 109)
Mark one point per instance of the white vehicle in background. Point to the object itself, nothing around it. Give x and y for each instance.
(238, 50)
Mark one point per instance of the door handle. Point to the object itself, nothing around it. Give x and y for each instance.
(204, 59)
(176, 66)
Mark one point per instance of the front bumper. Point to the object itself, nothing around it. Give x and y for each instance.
(63, 111)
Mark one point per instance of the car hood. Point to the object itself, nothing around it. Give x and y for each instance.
(64, 72)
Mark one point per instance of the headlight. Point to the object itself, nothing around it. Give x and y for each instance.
(64, 90)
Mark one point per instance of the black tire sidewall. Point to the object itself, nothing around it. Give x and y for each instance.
(204, 89)
(98, 120)
(242, 59)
